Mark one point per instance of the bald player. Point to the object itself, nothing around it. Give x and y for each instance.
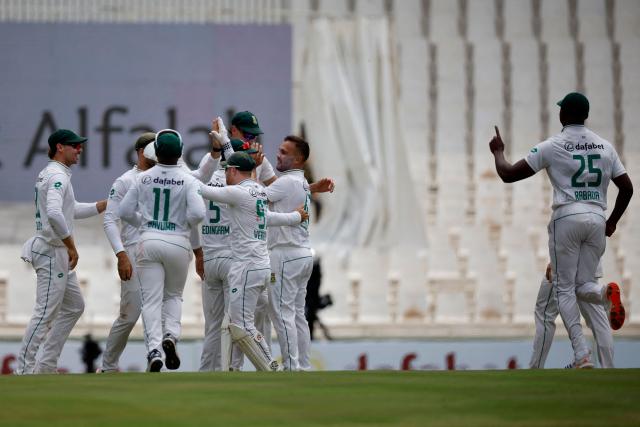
(53, 255)
(580, 165)
(165, 203)
(250, 271)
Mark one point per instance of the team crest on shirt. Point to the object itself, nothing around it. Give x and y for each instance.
(534, 150)
(60, 275)
(57, 184)
(234, 290)
(273, 277)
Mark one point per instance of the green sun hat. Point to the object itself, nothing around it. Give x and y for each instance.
(240, 160)
(247, 122)
(575, 102)
(65, 137)
(240, 145)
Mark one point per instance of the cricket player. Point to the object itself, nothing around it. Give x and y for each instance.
(165, 203)
(53, 255)
(216, 230)
(546, 312)
(123, 240)
(290, 255)
(249, 272)
(580, 165)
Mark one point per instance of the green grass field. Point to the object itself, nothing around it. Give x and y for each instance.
(460, 398)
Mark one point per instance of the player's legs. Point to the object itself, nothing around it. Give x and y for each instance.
(545, 315)
(151, 275)
(290, 267)
(263, 321)
(130, 309)
(176, 261)
(246, 283)
(51, 281)
(70, 311)
(214, 292)
(566, 236)
(304, 335)
(597, 320)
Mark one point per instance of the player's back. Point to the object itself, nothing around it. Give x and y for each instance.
(580, 165)
(166, 200)
(217, 224)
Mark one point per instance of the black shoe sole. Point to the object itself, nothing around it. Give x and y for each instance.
(155, 366)
(171, 355)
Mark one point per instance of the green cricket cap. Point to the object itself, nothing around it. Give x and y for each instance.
(240, 145)
(145, 139)
(240, 160)
(65, 137)
(168, 143)
(247, 122)
(575, 103)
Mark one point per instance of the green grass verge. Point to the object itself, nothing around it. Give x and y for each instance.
(460, 398)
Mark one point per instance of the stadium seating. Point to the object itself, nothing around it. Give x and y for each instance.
(500, 62)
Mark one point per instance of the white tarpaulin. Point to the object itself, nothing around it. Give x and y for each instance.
(349, 108)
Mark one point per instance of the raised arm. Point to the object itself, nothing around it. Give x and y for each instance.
(506, 171)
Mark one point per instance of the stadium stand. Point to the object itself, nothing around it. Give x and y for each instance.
(461, 67)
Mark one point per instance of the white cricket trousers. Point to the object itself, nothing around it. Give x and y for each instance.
(546, 312)
(576, 243)
(247, 282)
(291, 268)
(215, 303)
(59, 305)
(130, 309)
(162, 264)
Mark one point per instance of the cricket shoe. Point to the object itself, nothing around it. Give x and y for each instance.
(616, 310)
(172, 360)
(583, 363)
(154, 361)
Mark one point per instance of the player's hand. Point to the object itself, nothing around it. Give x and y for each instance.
(73, 257)
(219, 133)
(200, 265)
(609, 229)
(547, 273)
(323, 185)
(125, 270)
(304, 215)
(101, 206)
(496, 144)
(259, 156)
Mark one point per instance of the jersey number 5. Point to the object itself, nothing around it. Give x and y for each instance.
(584, 162)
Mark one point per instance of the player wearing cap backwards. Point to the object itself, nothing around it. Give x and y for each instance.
(580, 165)
(53, 255)
(249, 272)
(165, 203)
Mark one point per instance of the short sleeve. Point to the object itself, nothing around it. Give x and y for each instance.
(539, 156)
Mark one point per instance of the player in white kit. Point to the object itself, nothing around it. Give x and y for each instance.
(123, 240)
(546, 312)
(291, 258)
(580, 165)
(165, 203)
(249, 273)
(53, 255)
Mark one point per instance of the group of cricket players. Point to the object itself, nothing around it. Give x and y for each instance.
(246, 228)
(248, 231)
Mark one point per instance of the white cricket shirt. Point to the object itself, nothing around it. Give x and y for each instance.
(285, 194)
